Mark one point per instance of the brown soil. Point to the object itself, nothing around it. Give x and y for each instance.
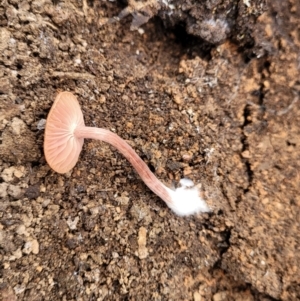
(206, 91)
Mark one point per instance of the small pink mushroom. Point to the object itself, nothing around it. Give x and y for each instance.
(64, 135)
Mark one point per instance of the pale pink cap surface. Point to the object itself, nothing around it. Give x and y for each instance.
(61, 147)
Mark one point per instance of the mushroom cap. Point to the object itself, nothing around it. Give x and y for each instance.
(61, 146)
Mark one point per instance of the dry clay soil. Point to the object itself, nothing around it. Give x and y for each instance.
(213, 100)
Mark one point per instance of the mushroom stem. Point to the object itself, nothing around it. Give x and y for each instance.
(128, 152)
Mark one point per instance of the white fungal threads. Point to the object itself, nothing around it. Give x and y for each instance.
(186, 199)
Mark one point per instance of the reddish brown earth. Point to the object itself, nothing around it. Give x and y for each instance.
(206, 91)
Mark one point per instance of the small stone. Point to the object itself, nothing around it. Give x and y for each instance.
(3, 190)
(21, 230)
(27, 248)
(102, 99)
(142, 241)
(35, 247)
(73, 224)
(4, 39)
(187, 157)
(6, 265)
(14, 191)
(197, 296)
(19, 172)
(19, 289)
(178, 99)
(39, 268)
(129, 125)
(220, 296)
(31, 246)
(94, 210)
(7, 174)
(115, 255)
(45, 203)
(41, 124)
(125, 98)
(246, 154)
(2, 237)
(17, 126)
